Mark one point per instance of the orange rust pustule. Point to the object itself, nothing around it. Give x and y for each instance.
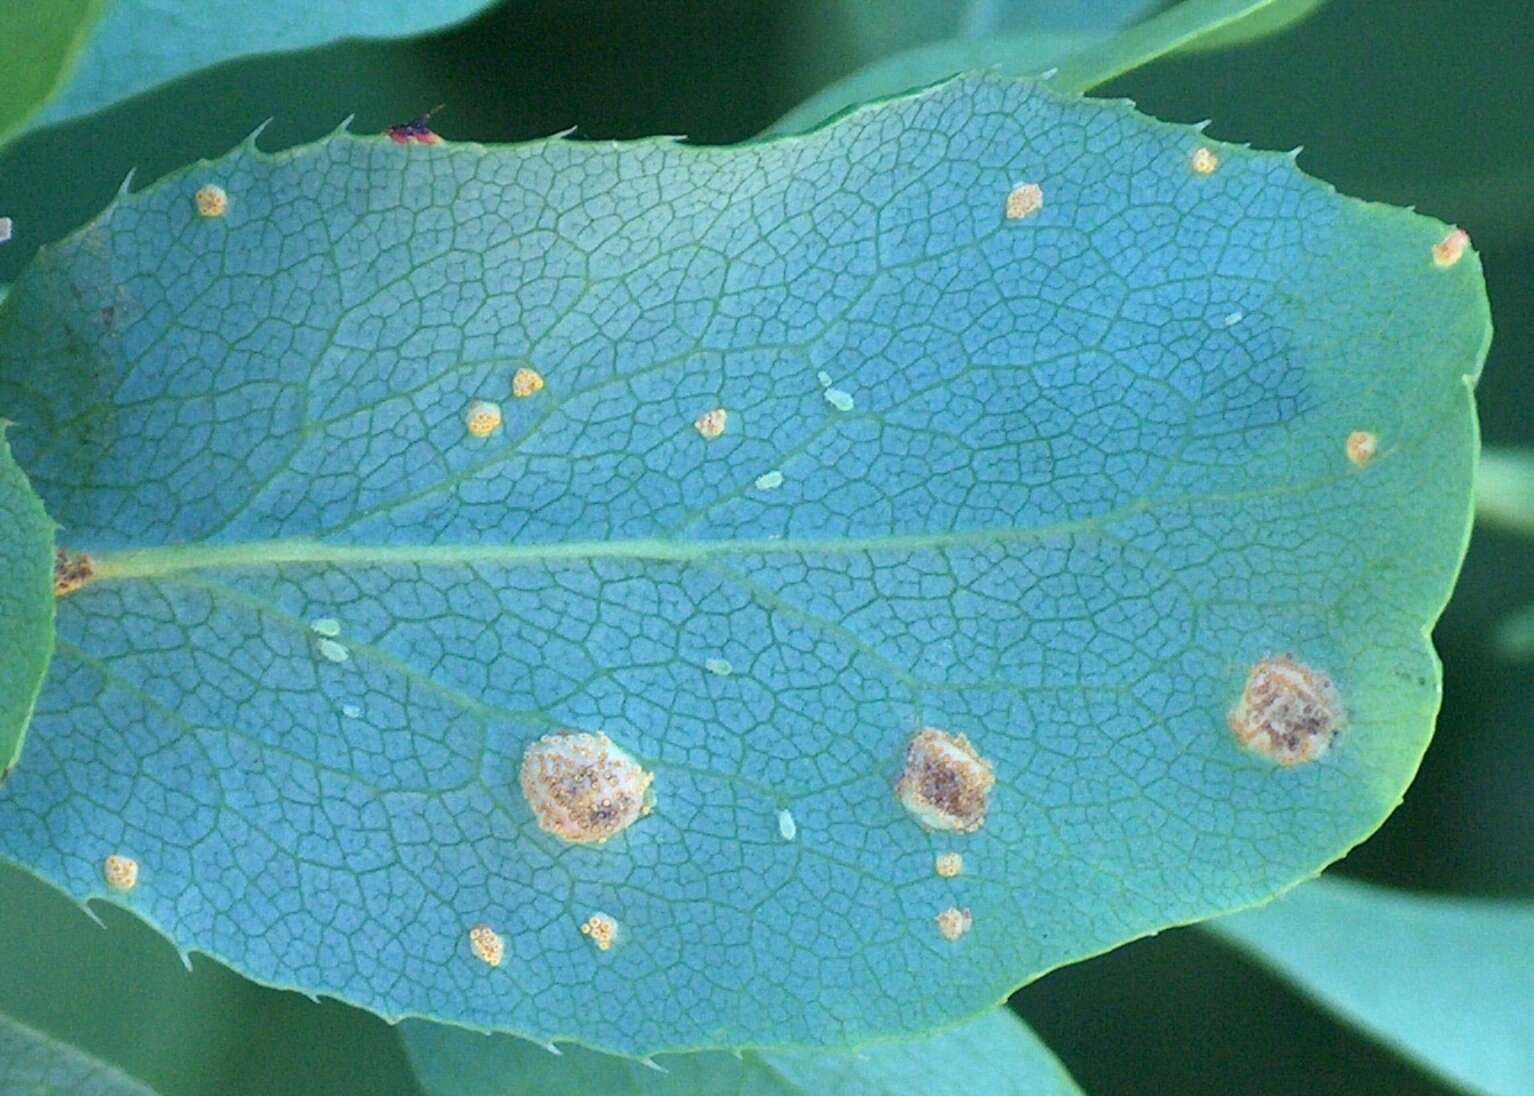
(583, 788)
(946, 784)
(71, 570)
(1288, 711)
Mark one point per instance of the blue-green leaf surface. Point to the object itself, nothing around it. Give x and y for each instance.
(995, 1053)
(1447, 981)
(34, 1064)
(141, 43)
(26, 601)
(1070, 477)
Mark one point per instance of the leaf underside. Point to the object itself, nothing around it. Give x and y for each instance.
(995, 1053)
(1447, 981)
(1073, 475)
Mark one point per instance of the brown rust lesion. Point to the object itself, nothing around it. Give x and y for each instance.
(1288, 711)
(946, 784)
(71, 571)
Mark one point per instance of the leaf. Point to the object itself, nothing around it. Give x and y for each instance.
(1183, 26)
(1090, 469)
(995, 1053)
(1504, 489)
(38, 46)
(115, 989)
(32, 1062)
(1446, 981)
(1269, 20)
(1514, 635)
(140, 44)
(26, 602)
(1024, 42)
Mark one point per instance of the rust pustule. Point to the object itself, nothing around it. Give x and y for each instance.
(71, 570)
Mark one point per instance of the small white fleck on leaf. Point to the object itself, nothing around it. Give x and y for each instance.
(769, 481)
(787, 827)
(325, 626)
(838, 399)
(332, 651)
(720, 666)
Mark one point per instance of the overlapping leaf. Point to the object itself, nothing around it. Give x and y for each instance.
(34, 1063)
(139, 44)
(26, 602)
(993, 1054)
(1065, 478)
(1448, 981)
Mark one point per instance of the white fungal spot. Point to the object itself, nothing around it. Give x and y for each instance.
(1233, 318)
(482, 418)
(949, 865)
(1025, 200)
(332, 651)
(602, 929)
(824, 378)
(719, 666)
(211, 201)
(953, 923)
(120, 872)
(1361, 446)
(1451, 248)
(583, 788)
(946, 784)
(1288, 711)
(325, 626)
(788, 829)
(711, 424)
(6, 227)
(526, 382)
(1205, 161)
(838, 399)
(769, 481)
(351, 711)
(487, 945)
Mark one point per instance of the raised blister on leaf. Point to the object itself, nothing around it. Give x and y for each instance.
(601, 929)
(946, 784)
(120, 872)
(211, 200)
(487, 945)
(1288, 711)
(1361, 446)
(583, 788)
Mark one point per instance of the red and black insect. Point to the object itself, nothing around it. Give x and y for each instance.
(418, 131)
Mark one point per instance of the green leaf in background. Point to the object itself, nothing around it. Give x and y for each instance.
(1514, 637)
(995, 1053)
(116, 990)
(139, 44)
(31, 1062)
(26, 602)
(830, 448)
(1447, 981)
(1026, 39)
(1182, 26)
(39, 43)
(1504, 489)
